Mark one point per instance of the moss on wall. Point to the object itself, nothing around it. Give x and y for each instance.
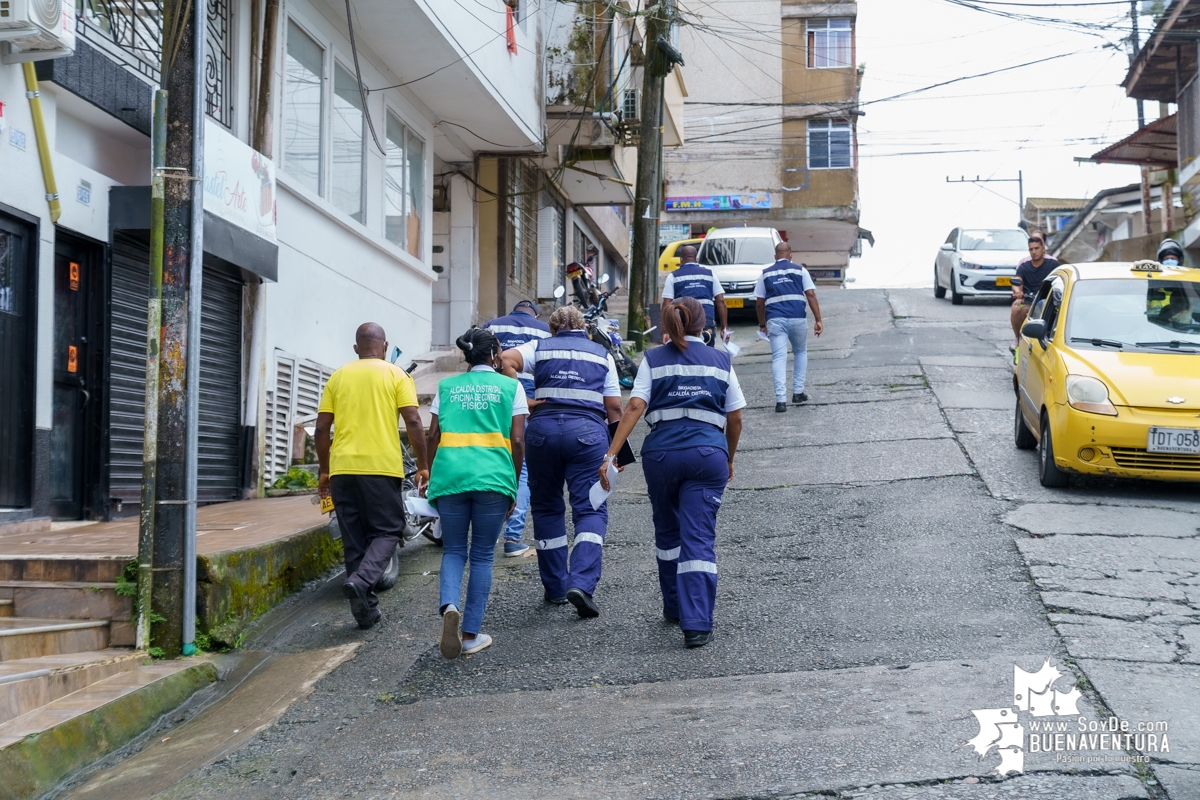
(235, 587)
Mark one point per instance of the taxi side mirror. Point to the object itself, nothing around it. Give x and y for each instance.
(1034, 329)
(948, 247)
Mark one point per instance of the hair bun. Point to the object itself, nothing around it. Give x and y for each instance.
(466, 342)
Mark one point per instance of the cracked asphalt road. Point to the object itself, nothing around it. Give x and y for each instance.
(886, 556)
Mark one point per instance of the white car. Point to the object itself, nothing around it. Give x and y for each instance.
(979, 262)
(737, 257)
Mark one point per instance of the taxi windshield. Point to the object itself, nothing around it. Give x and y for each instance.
(993, 240)
(717, 252)
(1159, 315)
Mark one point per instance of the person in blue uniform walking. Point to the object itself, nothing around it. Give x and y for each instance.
(576, 390)
(692, 401)
(513, 330)
(699, 283)
(782, 296)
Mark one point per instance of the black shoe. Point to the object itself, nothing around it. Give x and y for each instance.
(372, 619)
(780, 408)
(800, 398)
(670, 619)
(358, 603)
(558, 601)
(697, 638)
(583, 603)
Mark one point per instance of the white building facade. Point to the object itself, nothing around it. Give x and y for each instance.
(353, 211)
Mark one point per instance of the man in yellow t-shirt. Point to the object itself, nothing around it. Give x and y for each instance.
(364, 467)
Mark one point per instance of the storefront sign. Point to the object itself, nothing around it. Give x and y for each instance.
(672, 233)
(239, 183)
(720, 202)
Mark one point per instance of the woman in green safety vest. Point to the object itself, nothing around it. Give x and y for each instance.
(476, 445)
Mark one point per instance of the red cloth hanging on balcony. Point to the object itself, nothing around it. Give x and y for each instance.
(510, 30)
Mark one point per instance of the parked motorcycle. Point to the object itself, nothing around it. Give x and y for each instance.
(586, 292)
(605, 331)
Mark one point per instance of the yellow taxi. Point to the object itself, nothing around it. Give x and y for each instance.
(1107, 373)
(669, 261)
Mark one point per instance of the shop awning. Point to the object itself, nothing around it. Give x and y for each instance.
(1152, 146)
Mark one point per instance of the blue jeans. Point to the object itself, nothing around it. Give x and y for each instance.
(515, 528)
(685, 489)
(782, 330)
(484, 513)
(563, 447)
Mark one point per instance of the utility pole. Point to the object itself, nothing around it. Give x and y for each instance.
(1019, 181)
(649, 175)
(1137, 45)
(167, 536)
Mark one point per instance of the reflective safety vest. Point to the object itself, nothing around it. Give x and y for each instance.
(475, 420)
(687, 385)
(569, 373)
(698, 283)
(514, 330)
(784, 284)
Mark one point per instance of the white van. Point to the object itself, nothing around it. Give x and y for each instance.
(737, 257)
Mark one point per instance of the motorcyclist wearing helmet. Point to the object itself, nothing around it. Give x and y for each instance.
(1170, 254)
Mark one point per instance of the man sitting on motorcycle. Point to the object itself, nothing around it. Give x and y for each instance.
(699, 283)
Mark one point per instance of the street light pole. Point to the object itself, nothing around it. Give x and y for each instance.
(1019, 181)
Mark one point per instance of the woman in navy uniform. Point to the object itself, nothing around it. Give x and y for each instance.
(576, 393)
(692, 401)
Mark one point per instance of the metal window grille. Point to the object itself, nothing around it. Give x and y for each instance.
(130, 31)
(218, 61)
(522, 195)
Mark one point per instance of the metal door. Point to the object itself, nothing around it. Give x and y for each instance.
(76, 368)
(18, 307)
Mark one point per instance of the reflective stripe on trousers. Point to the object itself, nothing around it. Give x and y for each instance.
(565, 447)
(686, 488)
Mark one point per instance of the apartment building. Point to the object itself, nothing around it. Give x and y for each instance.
(770, 119)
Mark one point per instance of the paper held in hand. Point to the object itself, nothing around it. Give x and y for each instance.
(732, 349)
(598, 494)
(419, 506)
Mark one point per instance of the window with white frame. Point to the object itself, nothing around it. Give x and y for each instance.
(829, 44)
(303, 108)
(346, 134)
(829, 144)
(403, 186)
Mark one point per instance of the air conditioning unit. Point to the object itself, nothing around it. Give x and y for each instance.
(36, 30)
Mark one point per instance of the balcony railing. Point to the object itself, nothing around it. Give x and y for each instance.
(130, 32)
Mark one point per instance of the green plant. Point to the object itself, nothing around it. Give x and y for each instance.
(156, 652)
(295, 478)
(127, 580)
(203, 642)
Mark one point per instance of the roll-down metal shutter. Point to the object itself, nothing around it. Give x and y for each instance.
(220, 377)
(220, 387)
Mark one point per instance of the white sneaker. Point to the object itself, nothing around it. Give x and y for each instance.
(475, 645)
(451, 644)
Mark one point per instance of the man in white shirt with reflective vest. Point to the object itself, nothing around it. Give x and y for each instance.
(695, 281)
(782, 296)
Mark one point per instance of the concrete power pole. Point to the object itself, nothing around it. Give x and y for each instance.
(169, 479)
(643, 272)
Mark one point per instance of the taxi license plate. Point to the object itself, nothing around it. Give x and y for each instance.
(1173, 440)
(1004, 281)
(733, 302)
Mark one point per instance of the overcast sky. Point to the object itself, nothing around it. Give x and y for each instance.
(1036, 119)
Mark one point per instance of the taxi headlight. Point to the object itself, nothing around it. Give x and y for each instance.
(1089, 394)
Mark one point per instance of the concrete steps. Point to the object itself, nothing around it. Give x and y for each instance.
(86, 699)
(6, 607)
(89, 569)
(25, 637)
(74, 600)
(29, 683)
